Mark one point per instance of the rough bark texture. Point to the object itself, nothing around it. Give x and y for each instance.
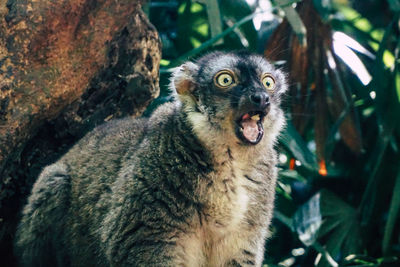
(65, 66)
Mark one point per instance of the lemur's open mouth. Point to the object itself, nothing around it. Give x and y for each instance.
(249, 127)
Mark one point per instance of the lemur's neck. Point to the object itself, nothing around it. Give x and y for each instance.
(221, 144)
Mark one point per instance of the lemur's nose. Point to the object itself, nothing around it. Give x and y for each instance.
(260, 99)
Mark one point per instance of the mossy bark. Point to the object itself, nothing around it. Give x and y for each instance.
(65, 67)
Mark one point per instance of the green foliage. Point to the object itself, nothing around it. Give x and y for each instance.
(348, 213)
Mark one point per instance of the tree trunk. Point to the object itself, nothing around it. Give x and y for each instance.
(65, 67)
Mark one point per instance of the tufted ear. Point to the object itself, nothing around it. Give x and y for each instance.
(182, 80)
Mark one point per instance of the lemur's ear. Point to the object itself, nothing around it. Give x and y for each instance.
(182, 79)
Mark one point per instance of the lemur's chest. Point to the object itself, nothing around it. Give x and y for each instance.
(222, 228)
(226, 200)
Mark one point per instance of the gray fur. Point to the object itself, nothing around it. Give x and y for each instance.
(177, 189)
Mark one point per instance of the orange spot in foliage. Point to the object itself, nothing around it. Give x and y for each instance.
(322, 168)
(292, 163)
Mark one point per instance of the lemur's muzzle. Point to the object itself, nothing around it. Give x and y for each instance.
(260, 100)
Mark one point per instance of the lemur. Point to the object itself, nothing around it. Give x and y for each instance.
(193, 185)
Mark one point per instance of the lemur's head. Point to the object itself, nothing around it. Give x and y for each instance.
(233, 95)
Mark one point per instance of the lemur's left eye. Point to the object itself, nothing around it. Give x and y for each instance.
(224, 79)
(269, 83)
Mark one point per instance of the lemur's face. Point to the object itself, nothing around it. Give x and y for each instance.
(236, 91)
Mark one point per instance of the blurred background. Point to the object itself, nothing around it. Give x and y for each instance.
(338, 194)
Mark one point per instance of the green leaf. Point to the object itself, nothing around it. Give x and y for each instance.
(207, 44)
(341, 106)
(394, 5)
(393, 214)
(284, 219)
(330, 140)
(387, 108)
(355, 17)
(397, 81)
(365, 260)
(327, 256)
(324, 8)
(307, 220)
(233, 11)
(294, 20)
(214, 18)
(291, 174)
(328, 226)
(294, 143)
(340, 224)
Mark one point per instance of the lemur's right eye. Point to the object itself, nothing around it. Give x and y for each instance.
(224, 79)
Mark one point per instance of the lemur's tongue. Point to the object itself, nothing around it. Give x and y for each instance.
(250, 128)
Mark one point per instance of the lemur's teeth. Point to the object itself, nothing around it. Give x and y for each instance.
(256, 117)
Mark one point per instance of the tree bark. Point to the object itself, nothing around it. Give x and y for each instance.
(65, 67)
